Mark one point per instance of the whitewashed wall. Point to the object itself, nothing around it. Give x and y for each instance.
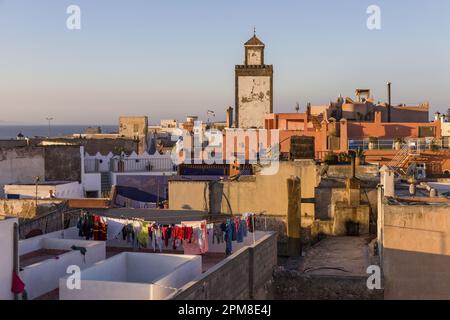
(43, 277)
(6, 261)
(135, 276)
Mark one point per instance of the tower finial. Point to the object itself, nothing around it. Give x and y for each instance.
(254, 31)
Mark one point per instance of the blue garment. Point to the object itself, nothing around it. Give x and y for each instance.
(233, 230)
(228, 238)
(244, 225)
(240, 234)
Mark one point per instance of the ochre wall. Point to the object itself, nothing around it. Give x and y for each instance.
(416, 251)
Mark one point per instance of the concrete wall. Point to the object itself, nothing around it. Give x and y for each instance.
(21, 165)
(415, 244)
(7, 260)
(92, 182)
(345, 171)
(382, 130)
(246, 274)
(73, 190)
(43, 277)
(266, 196)
(51, 163)
(258, 194)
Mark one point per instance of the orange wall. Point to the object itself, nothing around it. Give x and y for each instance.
(383, 130)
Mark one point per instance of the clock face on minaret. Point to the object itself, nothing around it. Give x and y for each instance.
(254, 87)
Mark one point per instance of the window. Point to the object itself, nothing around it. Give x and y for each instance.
(426, 132)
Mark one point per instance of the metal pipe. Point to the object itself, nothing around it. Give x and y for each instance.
(389, 85)
(16, 254)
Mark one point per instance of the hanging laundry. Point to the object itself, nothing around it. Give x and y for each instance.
(229, 238)
(240, 233)
(128, 233)
(218, 233)
(198, 242)
(143, 236)
(115, 227)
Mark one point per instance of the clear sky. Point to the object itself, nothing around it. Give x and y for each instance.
(170, 58)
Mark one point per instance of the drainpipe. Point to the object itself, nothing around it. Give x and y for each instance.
(389, 84)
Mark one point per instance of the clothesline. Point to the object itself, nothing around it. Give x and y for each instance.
(193, 236)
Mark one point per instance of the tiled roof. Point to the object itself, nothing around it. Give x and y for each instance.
(254, 41)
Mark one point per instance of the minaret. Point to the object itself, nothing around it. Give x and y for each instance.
(254, 86)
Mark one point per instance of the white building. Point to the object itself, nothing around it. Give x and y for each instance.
(7, 260)
(100, 172)
(134, 276)
(45, 259)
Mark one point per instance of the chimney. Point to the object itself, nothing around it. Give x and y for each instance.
(389, 84)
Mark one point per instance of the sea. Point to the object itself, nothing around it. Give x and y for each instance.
(11, 131)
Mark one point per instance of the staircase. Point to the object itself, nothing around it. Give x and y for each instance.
(399, 164)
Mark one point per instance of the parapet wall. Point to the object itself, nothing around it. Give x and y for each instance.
(247, 274)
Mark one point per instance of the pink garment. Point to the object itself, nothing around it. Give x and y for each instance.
(199, 243)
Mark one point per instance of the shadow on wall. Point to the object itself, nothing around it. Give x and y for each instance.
(415, 275)
(393, 131)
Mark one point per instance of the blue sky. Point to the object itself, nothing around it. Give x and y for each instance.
(170, 58)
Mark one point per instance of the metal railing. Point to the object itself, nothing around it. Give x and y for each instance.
(142, 165)
(392, 144)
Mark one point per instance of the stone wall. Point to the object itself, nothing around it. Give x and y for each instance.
(328, 194)
(254, 100)
(26, 209)
(247, 274)
(62, 163)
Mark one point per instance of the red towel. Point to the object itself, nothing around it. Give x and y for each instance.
(17, 284)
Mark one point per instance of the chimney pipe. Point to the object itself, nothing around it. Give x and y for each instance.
(353, 166)
(389, 84)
